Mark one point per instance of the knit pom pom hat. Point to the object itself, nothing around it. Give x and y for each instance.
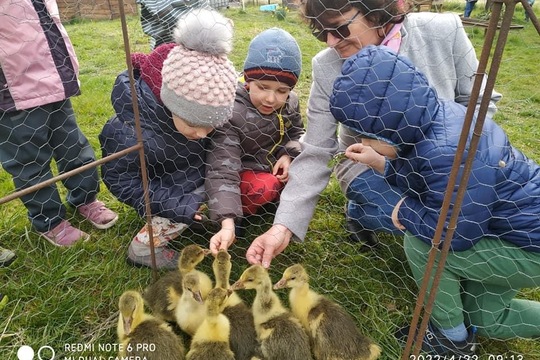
(150, 65)
(274, 54)
(199, 81)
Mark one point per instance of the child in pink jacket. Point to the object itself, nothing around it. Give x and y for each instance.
(38, 75)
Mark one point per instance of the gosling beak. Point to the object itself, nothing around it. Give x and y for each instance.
(239, 285)
(207, 252)
(198, 297)
(280, 284)
(127, 325)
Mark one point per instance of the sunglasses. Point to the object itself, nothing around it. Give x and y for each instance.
(340, 32)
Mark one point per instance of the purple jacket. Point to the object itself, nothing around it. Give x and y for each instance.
(31, 72)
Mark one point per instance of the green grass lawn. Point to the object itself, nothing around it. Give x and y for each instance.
(67, 298)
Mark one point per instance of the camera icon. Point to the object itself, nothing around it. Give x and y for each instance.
(26, 352)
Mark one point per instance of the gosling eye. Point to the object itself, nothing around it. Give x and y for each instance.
(293, 278)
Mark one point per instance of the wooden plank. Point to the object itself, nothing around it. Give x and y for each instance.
(485, 23)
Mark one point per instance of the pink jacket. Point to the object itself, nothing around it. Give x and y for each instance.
(31, 72)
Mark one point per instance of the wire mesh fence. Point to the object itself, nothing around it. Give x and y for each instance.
(63, 302)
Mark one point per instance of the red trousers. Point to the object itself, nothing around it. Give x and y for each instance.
(257, 189)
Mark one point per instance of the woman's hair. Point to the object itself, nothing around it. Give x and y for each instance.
(318, 13)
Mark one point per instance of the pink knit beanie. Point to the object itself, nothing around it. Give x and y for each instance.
(199, 81)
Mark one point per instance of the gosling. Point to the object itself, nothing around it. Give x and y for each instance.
(243, 337)
(141, 335)
(163, 295)
(211, 340)
(280, 334)
(332, 331)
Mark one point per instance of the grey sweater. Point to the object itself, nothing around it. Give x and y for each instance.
(437, 45)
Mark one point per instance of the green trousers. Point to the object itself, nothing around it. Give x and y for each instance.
(479, 287)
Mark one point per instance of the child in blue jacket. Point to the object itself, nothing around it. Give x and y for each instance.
(411, 137)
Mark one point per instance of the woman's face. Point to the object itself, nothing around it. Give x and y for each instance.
(189, 131)
(362, 33)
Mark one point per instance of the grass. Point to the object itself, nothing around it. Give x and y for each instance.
(60, 297)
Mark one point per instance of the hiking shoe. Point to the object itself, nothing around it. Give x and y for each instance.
(98, 214)
(164, 230)
(358, 234)
(64, 234)
(435, 343)
(166, 258)
(6, 257)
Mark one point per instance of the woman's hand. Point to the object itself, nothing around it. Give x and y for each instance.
(268, 245)
(395, 212)
(281, 168)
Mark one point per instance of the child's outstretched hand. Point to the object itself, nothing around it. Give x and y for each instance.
(365, 154)
(224, 238)
(281, 168)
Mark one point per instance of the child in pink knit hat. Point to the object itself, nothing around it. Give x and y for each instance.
(184, 90)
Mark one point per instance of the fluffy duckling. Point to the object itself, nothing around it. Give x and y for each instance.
(191, 309)
(333, 331)
(163, 295)
(243, 337)
(211, 340)
(137, 330)
(280, 334)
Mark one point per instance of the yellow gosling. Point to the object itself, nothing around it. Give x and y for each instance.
(142, 335)
(163, 295)
(211, 340)
(191, 309)
(333, 332)
(243, 337)
(280, 334)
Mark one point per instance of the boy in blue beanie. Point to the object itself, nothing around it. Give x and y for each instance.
(411, 136)
(249, 158)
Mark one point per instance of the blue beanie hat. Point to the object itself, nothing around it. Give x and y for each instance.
(273, 55)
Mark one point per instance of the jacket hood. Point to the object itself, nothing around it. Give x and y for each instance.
(381, 95)
(151, 111)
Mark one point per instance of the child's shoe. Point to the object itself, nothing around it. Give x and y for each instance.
(7, 257)
(64, 234)
(163, 229)
(98, 214)
(358, 234)
(139, 255)
(435, 343)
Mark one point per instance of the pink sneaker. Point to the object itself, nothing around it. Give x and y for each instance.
(65, 235)
(98, 214)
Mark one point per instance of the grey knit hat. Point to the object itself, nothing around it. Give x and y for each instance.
(274, 54)
(199, 81)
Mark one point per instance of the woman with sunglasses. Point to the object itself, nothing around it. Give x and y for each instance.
(437, 45)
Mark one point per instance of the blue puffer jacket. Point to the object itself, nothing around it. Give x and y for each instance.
(175, 164)
(382, 95)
